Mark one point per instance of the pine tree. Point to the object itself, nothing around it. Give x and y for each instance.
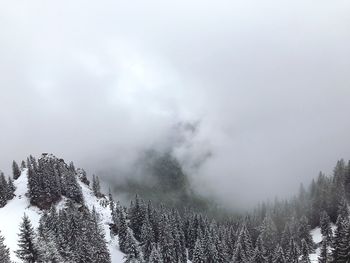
(4, 251)
(123, 232)
(27, 251)
(96, 186)
(259, 255)
(155, 256)
(15, 170)
(198, 253)
(147, 238)
(293, 252)
(269, 235)
(326, 229)
(133, 252)
(324, 254)
(10, 189)
(239, 256)
(340, 242)
(3, 190)
(304, 233)
(278, 256)
(47, 247)
(137, 215)
(304, 252)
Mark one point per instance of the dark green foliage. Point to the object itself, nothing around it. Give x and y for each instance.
(28, 251)
(16, 172)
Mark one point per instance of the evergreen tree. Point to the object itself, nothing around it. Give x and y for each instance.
(147, 238)
(4, 251)
(340, 242)
(304, 233)
(123, 232)
(304, 252)
(3, 190)
(96, 186)
(278, 256)
(324, 254)
(133, 252)
(155, 256)
(27, 251)
(15, 170)
(259, 255)
(137, 215)
(293, 252)
(269, 236)
(198, 253)
(10, 189)
(326, 229)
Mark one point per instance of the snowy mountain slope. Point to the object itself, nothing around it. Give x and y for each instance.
(11, 216)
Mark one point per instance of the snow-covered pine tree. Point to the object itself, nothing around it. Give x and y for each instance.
(340, 245)
(137, 215)
(324, 256)
(3, 190)
(133, 251)
(293, 252)
(278, 256)
(123, 232)
(4, 251)
(304, 252)
(47, 246)
(10, 189)
(245, 243)
(28, 251)
(259, 255)
(16, 172)
(326, 229)
(268, 234)
(198, 253)
(166, 241)
(239, 256)
(147, 238)
(96, 187)
(155, 256)
(304, 233)
(98, 242)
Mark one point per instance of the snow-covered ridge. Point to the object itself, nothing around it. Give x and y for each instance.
(11, 215)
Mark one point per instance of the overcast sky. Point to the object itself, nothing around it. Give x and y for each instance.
(268, 81)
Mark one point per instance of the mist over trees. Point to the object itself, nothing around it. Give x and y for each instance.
(277, 232)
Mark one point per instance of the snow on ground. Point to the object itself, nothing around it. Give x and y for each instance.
(105, 216)
(11, 215)
(317, 238)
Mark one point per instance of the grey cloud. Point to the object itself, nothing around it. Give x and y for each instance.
(268, 83)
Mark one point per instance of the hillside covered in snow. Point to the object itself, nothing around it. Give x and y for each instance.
(51, 212)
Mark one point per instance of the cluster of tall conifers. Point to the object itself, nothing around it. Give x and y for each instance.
(272, 233)
(73, 234)
(149, 233)
(7, 189)
(49, 179)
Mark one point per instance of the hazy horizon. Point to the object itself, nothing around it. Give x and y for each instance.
(266, 85)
